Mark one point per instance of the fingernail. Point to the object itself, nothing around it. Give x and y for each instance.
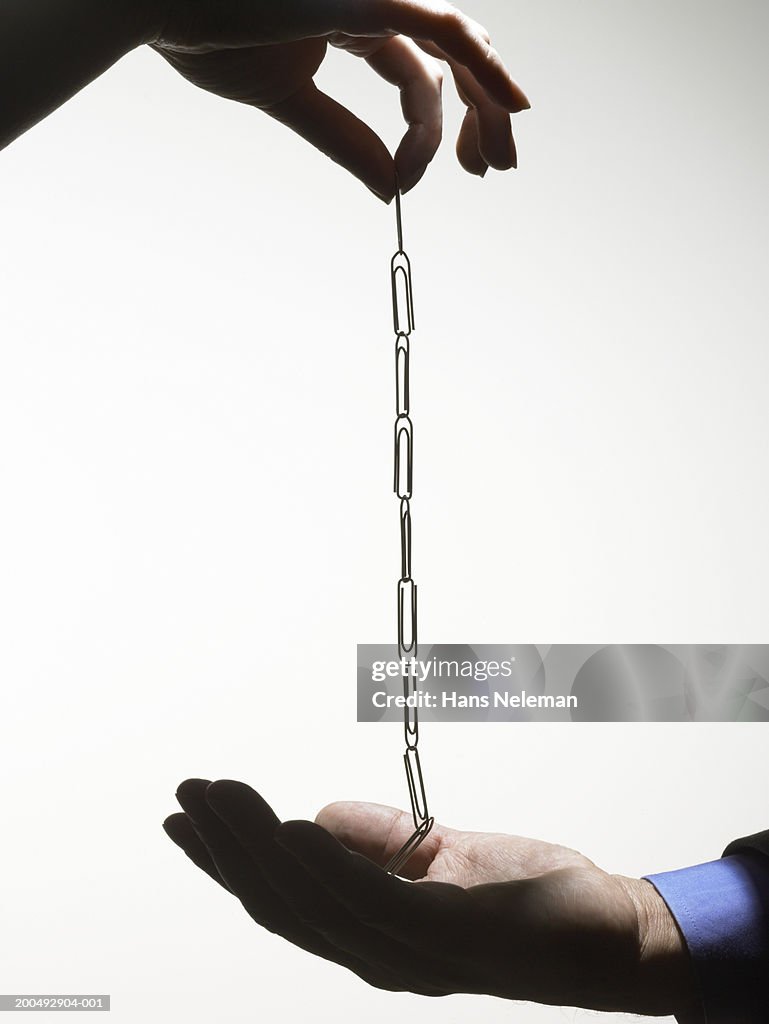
(385, 199)
(521, 100)
(513, 155)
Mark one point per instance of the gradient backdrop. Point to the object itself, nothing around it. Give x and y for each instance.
(196, 518)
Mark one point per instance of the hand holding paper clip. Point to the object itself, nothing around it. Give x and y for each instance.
(265, 54)
(483, 913)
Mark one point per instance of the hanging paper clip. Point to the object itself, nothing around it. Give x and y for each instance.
(415, 839)
(410, 713)
(407, 618)
(416, 785)
(402, 355)
(405, 538)
(403, 302)
(404, 456)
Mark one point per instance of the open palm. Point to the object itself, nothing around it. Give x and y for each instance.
(489, 913)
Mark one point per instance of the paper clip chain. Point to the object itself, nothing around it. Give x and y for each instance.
(403, 324)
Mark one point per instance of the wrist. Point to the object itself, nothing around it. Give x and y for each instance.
(665, 982)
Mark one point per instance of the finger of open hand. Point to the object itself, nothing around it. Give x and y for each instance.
(178, 828)
(355, 928)
(232, 862)
(412, 913)
(261, 873)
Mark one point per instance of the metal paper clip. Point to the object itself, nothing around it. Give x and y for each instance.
(407, 618)
(396, 862)
(402, 360)
(404, 457)
(403, 302)
(416, 785)
(405, 538)
(410, 714)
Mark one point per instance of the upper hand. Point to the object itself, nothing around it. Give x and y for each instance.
(493, 914)
(265, 54)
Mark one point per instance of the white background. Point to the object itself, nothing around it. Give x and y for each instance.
(196, 521)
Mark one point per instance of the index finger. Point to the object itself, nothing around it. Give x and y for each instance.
(436, 21)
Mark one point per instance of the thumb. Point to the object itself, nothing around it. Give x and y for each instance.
(377, 832)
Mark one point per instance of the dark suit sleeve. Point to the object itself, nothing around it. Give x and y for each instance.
(759, 843)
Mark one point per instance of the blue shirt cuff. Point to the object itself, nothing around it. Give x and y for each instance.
(722, 909)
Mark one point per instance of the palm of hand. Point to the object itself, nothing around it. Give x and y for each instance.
(519, 916)
(476, 858)
(481, 913)
(262, 76)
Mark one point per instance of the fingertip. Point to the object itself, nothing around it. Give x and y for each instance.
(410, 174)
(179, 830)
(330, 814)
(223, 788)
(295, 827)
(386, 199)
(506, 162)
(350, 822)
(513, 154)
(524, 103)
(170, 825)
(191, 789)
(294, 835)
(232, 798)
(192, 782)
(519, 104)
(408, 184)
(477, 171)
(517, 100)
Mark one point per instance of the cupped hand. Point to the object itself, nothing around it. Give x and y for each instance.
(476, 912)
(265, 54)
